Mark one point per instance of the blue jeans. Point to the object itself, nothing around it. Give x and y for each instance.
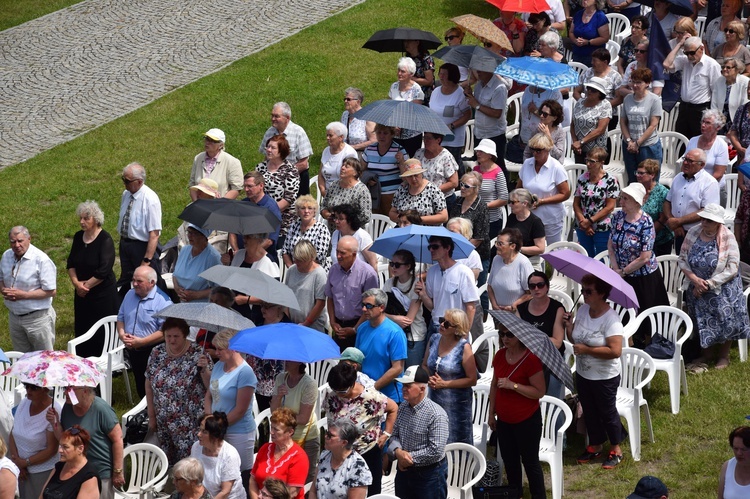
(415, 354)
(425, 482)
(644, 152)
(593, 244)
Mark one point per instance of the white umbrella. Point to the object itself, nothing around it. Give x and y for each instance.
(252, 283)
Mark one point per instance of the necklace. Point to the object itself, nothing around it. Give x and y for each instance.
(178, 354)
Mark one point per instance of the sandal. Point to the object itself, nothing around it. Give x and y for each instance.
(722, 364)
(698, 368)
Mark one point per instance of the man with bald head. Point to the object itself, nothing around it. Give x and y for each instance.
(28, 280)
(347, 280)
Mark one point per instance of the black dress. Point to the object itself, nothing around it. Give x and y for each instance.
(64, 489)
(95, 259)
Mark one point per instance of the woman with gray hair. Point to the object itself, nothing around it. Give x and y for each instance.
(342, 472)
(715, 147)
(405, 88)
(334, 155)
(361, 133)
(90, 264)
(187, 477)
(308, 281)
(549, 46)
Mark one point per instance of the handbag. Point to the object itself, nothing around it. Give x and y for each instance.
(495, 492)
(660, 347)
(136, 428)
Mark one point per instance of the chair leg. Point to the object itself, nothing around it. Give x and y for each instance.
(742, 345)
(674, 389)
(556, 475)
(127, 386)
(634, 427)
(683, 377)
(647, 413)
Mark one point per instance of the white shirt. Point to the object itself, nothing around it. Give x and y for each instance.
(717, 155)
(145, 215)
(494, 95)
(34, 270)
(544, 184)
(222, 468)
(474, 262)
(450, 288)
(450, 108)
(701, 78)
(330, 164)
(30, 435)
(556, 12)
(363, 238)
(689, 196)
(264, 265)
(594, 333)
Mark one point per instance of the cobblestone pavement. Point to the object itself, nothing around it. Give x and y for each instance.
(78, 68)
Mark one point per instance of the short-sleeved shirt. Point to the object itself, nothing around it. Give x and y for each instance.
(629, 71)
(382, 346)
(494, 95)
(439, 169)
(299, 145)
(224, 387)
(145, 213)
(586, 119)
(494, 186)
(291, 468)
(35, 270)
(335, 484)
(639, 114)
(221, 468)
(452, 288)
(543, 185)
(594, 333)
(365, 411)
(478, 215)
(509, 281)
(138, 314)
(99, 421)
(717, 155)
(304, 392)
(308, 288)
(629, 240)
(588, 31)
(188, 267)
(385, 165)
(358, 196)
(345, 288)
(531, 228)
(364, 241)
(450, 108)
(330, 164)
(594, 197)
(530, 121)
(429, 201)
(612, 80)
(691, 195)
(654, 206)
(510, 406)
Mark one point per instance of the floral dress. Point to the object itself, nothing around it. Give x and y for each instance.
(366, 411)
(718, 313)
(282, 184)
(430, 201)
(457, 402)
(629, 240)
(178, 398)
(594, 198)
(335, 484)
(266, 372)
(586, 119)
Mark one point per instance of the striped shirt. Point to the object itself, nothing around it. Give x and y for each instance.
(385, 165)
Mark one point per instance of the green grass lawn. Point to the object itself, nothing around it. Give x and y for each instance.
(310, 71)
(15, 12)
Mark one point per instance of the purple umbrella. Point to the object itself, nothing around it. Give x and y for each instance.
(576, 265)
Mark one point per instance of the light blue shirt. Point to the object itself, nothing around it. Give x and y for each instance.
(34, 270)
(224, 387)
(188, 267)
(138, 313)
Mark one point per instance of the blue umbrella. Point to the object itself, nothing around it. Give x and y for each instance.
(744, 169)
(415, 238)
(403, 114)
(285, 341)
(3, 357)
(539, 72)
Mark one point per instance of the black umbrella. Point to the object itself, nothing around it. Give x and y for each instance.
(677, 7)
(538, 343)
(229, 215)
(470, 56)
(392, 40)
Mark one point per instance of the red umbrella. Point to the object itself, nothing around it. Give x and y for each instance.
(532, 6)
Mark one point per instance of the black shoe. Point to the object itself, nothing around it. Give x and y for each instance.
(612, 461)
(588, 455)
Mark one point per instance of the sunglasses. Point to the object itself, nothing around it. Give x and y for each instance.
(730, 31)
(369, 306)
(348, 99)
(587, 291)
(445, 323)
(433, 247)
(590, 161)
(536, 150)
(641, 51)
(31, 388)
(506, 335)
(343, 392)
(464, 185)
(543, 114)
(396, 265)
(450, 37)
(690, 52)
(73, 431)
(536, 285)
(728, 67)
(640, 174)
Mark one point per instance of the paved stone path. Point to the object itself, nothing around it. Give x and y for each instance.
(76, 69)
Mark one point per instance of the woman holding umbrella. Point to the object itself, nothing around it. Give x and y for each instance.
(424, 66)
(384, 158)
(597, 345)
(517, 385)
(407, 89)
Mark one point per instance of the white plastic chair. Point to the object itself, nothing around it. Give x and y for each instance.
(382, 496)
(574, 171)
(619, 26)
(480, 409)
(603, 256)
(513, 108)
(742, 344)
(8, 384)
(568, 230)
(551, 444)
(627, 316)
(388, 482)
(493, 343)
(733, 199)
(315, 191)
(319, 370)
(112, 358)
(466, 466)
(378, 224)
(559, 281)
(566, 300)
(322, 394)
(673, 146)
(616, 166)
(637, 371)
(148, 470)
(614, 53)
(676, 326)
(673, 278)
(700, 25)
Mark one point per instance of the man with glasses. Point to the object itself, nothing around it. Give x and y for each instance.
(300, 149)
(139, 227)
(218, 165)
(692, 189)
(700, 73)
(28, 280)
(383, 344)
(347, 280)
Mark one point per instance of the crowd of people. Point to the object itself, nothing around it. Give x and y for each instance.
(402, 389)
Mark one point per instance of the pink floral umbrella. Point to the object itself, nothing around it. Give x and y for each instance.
(50, 368)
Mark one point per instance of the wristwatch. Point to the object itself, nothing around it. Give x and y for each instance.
(147, 260)
(477, 107)
(515, 386)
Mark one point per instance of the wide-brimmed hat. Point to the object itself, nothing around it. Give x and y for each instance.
(205, 232)
(413, 167)
(487, 146)
(216, 134)
(597, 84)
(712, 211)
(414, 374)
(635, 191)
(649, 487)
(207, 186)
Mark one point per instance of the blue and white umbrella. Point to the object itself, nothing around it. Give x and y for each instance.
(404, 114)
(539, 72)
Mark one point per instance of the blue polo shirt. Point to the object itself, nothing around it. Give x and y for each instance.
(382, 345)
(138, 313)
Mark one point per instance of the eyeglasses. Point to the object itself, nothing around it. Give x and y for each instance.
(176, 478)
(433, 247)
(369, 306)
(445, 323)
(590, 161)
(691, 161)
(464, 185)
(678, 33)
(127, 181)
(690, 52)
(450, 37)
(639, 173)
(729, 31)
(31, 388)
(343, 392)
(536, 150)
(506, 334)
(727, 66)
(543, 114)
(641, 51)
(587, 291)
(395, 265)
(536, 285)
(348, 99)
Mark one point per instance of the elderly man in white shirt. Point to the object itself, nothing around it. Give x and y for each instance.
(699, 74)
(692, 189)
(28, 280)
